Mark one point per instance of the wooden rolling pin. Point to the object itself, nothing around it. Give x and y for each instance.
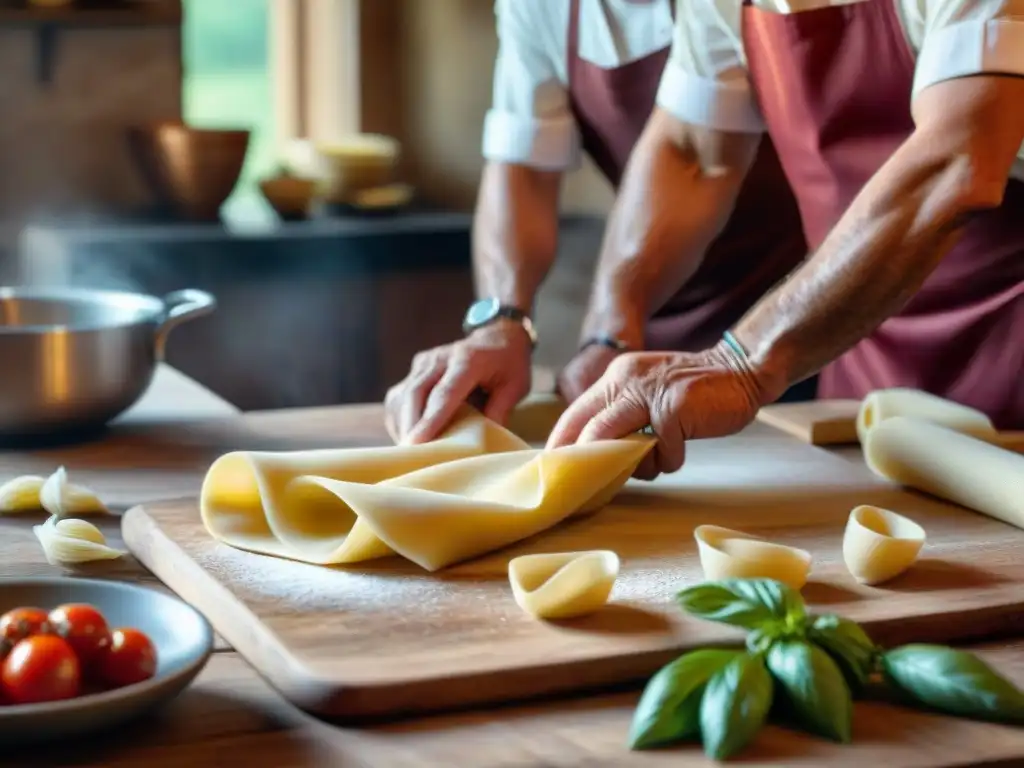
(842, 422)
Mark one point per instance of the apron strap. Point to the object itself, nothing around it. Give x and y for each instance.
(572, 43)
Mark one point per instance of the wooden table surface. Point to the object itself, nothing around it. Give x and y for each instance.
(229, 716)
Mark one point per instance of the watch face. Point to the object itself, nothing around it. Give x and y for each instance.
(481, 312)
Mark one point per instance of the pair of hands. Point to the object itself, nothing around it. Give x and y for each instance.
(494, 360)
(681, 396)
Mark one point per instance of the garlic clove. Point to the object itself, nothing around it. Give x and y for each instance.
(21, 494)
(62, 498)
(71, 541)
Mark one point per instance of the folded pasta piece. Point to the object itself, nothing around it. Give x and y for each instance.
(953, 466)
(879, 544)
(728, 554)
(475, 489)
(563, 585)
(916, 404)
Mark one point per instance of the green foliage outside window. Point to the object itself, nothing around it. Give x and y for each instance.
(227, 79)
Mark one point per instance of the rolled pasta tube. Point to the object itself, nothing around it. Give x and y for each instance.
(915, 404)
(953, 466)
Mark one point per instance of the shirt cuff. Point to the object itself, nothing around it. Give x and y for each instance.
(551, 144)
(970, 47)
(724, 105)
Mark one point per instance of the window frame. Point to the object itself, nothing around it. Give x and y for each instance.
(314, 67)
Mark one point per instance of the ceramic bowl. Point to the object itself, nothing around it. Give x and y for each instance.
(183, 640)
(289, 196)
(356, 163)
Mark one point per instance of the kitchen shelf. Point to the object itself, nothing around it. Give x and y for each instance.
(94, 14)
(48, 21)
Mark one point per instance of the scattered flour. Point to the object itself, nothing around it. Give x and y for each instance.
(393, 586)
(654, 586)
(304, 587)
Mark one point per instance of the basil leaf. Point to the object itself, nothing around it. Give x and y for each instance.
(747, 603)
(953, 681)
(848, 645)
(669, 708)
(760, 640)
(815, 686)
(734, 706)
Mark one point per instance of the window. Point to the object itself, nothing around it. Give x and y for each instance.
(288, 69)
(228, 81)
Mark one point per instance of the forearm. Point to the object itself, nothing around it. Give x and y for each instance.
(675, 198)
(515, 232)
(888, 242)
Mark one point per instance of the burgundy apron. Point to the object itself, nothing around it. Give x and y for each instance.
(834, 85)
(763, 240)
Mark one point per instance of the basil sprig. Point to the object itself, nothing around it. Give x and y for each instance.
(815, 663)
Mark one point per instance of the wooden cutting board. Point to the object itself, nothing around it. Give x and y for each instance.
(834, 422)
(389, 638)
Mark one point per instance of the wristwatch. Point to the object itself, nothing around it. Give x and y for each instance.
(486, 311)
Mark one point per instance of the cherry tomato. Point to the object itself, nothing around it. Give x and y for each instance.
(40, 668)
(130, 658)
(19, 623)
(84, 628)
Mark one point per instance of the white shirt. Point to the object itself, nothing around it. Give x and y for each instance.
(530, 121)
(706, 81)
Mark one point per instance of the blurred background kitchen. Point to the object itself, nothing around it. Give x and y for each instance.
(332, 260)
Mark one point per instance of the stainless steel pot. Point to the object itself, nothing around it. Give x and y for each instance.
(73, 359)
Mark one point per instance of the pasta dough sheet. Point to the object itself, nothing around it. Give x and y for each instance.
(475, 489)
(953, 466)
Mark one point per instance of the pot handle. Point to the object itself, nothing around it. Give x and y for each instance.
(179, 307)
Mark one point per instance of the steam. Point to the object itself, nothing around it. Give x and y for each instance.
(286, 340)
(54, 253)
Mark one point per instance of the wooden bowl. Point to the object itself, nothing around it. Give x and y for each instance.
(289, 196)
(190, 170)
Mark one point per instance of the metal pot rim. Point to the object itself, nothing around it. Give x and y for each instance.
(150, 309)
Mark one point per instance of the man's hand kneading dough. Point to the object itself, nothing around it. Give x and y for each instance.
(680, 395)
(495, 359)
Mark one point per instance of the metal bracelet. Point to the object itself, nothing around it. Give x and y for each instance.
(605, 341)
(729, 339)
(740, 362)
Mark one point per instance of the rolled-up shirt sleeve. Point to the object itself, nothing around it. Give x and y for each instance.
(530, 121)
(705, 81)
(970, 38)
